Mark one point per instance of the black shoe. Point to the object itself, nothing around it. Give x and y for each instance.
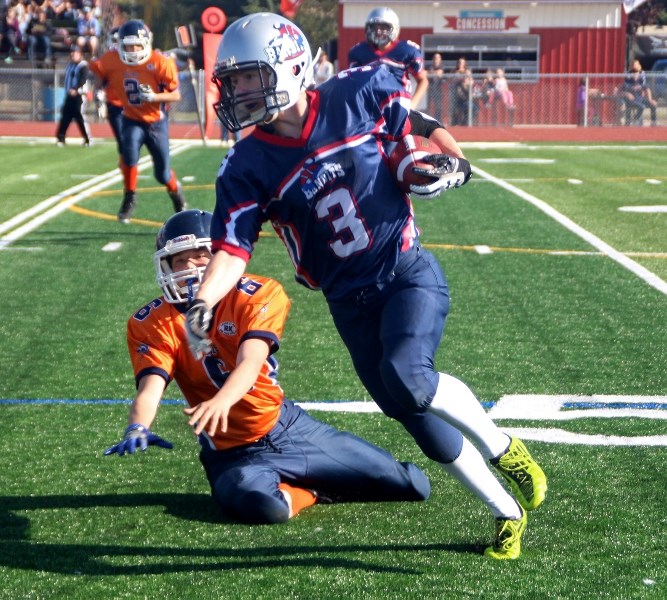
(127, 207)
(180, 204)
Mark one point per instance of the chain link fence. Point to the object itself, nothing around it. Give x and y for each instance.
(584, 100)
(32, 94)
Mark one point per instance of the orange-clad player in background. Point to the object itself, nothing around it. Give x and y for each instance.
(265, 458)
(144, 80)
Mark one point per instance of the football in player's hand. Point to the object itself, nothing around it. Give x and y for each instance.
(408, 154)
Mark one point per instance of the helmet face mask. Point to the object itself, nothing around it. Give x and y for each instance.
(382, 27)
(135, 33)
(239, 110)
(187, 230)
(274, 52)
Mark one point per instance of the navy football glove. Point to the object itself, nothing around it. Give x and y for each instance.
(198, 321)
(447, 172)
(137, 437)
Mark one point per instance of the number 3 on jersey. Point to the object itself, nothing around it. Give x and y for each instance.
(351, 234)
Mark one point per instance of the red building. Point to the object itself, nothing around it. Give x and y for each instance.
(544, 36)
(533, 41)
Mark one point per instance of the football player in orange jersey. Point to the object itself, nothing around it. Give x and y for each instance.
(265, 458)
(144, 80)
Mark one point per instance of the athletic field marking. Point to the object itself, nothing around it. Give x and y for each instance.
(540, 251)
(644, 209)
(560, 436)
(53, 206)
(654, 181)
(532, 407)
(530, 161)
(112, 246)
(575, 181)
(529, 407)
(642, 272)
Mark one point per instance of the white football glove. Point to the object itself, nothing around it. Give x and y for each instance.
(146, 94)
(198, 321)
(447, 172)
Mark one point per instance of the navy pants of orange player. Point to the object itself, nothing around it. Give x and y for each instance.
(306, 453)
(392, 331)
(155, 136)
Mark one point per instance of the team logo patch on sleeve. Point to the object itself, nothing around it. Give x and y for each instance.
(227, 328)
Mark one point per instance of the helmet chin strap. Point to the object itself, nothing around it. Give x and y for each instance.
(191, 290)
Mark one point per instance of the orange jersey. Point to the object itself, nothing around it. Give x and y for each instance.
(123, 82)
(256, 308)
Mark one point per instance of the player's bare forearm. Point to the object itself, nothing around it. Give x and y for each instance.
(447, 143)
(420, 91)
(214, 413)
(220, 276)
(145, 405)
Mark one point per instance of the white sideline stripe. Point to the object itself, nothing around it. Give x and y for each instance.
(87, 187)
(642, 272)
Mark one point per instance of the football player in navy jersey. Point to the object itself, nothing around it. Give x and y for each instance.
(316, 167)
(382, 45)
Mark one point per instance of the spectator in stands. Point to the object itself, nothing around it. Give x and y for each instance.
(39, 32)
(89, 30)
(76, 79)
(10, 35)
(323, 69)
(23, 14)
(67, 11)
(637, 96)
(435, 74)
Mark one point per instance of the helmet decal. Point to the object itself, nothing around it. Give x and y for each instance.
(287, 45)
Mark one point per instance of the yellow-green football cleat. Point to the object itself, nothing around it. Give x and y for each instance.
(507, 545)
(526, 478)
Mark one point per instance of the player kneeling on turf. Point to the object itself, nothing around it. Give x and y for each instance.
(265, 458)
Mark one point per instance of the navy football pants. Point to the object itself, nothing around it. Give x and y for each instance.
(155, 136)
(306, 453)
(392, 331)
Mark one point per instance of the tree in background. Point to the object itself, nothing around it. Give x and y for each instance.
(317, 18)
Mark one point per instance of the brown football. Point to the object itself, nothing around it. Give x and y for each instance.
(408, 154)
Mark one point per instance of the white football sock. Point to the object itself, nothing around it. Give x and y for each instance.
(474, 473)
(456, 404)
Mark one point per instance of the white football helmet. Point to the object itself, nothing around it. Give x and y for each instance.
(186, 230)
(382, 16)
(271, 47)
(135, 33)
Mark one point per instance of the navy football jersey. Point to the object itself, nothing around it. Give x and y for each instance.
(401, 53)
(330, 195)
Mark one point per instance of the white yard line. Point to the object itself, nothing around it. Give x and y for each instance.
(53, 206)
(642, 272)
